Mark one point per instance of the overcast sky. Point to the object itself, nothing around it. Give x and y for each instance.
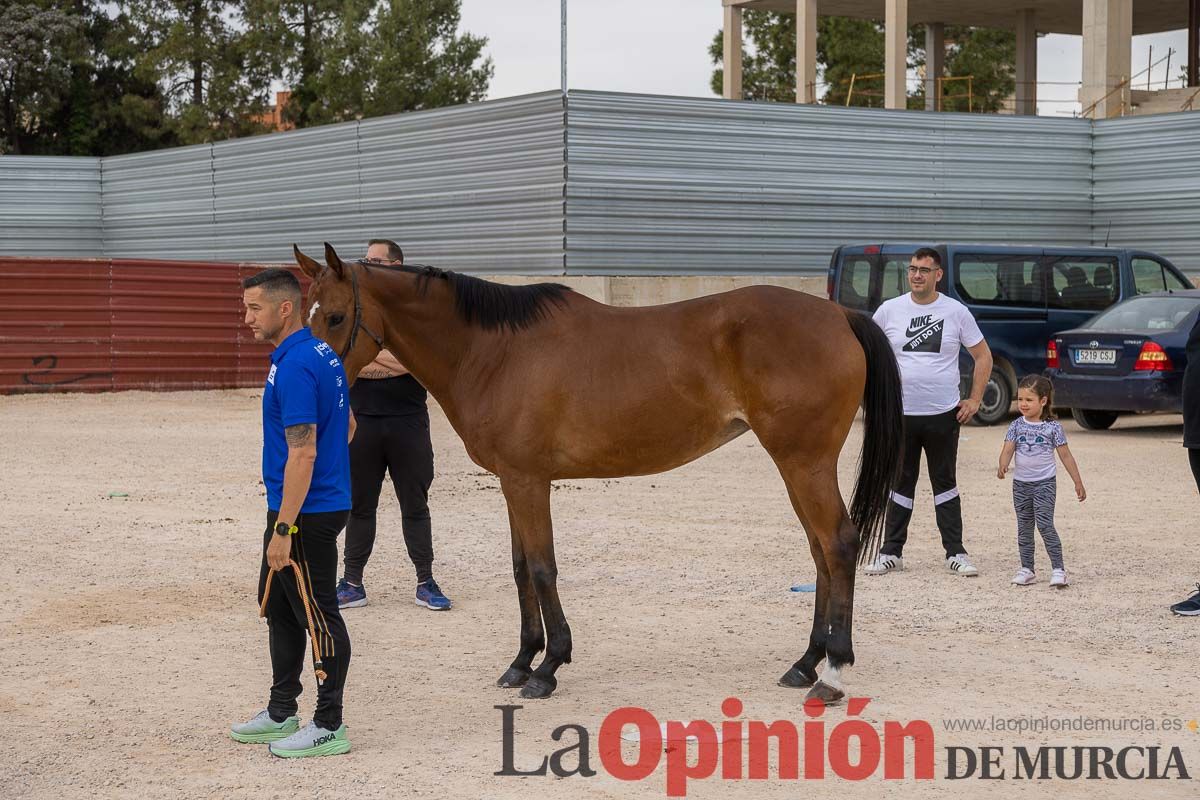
(661, 47)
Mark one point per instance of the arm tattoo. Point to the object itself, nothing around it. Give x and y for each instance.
(300, 435)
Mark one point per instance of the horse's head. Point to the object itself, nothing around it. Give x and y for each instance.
(339, 313)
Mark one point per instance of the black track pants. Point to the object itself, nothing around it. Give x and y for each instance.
(400, 446)
(937, 436)
(314, 548)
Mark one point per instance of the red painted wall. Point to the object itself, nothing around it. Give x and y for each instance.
(111, 324)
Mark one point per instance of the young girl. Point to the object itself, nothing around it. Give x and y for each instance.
(1034, 437)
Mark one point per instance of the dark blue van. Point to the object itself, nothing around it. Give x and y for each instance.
(1021, 295)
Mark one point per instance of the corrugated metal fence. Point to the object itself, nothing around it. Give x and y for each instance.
(1147, 185)
(478, 186)
(50, 205)
(676, 185)
(101, 324)
(622, 184)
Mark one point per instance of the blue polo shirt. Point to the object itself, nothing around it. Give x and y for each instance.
(307, 385)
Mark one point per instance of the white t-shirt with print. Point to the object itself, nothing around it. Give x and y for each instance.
(926, 340)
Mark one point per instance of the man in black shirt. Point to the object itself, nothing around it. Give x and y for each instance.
(393, 435)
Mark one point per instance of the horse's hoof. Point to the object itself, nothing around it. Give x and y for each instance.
(513, 678)
(825, 693)
(538, 688)
(796, 678)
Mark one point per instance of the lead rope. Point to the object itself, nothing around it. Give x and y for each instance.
(312, 631)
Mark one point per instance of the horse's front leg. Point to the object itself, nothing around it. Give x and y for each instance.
(533, 638)
(529, 510)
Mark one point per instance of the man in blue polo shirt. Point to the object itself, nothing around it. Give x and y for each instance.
(306, 470)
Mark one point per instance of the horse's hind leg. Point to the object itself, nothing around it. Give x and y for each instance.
(803, 673)
(533, 638)
(529, 510)
(820, 508)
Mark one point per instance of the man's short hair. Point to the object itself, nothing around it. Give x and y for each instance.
(394, 253)
(930, 253)
(277, 283)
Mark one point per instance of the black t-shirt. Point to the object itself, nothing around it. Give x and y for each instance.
(388, 397)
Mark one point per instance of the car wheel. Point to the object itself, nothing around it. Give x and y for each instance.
(997, 399)
(1093, 420)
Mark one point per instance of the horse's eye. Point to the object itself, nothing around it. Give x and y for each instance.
(335, 320)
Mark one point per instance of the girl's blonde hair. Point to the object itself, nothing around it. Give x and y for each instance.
(1043, 388)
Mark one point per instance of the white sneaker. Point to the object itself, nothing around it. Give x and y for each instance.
(1024, 577)
(884, 564)
(1058, 578)
(961, 565)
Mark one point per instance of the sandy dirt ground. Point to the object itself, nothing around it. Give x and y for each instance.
(130, 639)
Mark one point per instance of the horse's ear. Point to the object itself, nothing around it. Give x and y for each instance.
(335, 263)
(307, 265)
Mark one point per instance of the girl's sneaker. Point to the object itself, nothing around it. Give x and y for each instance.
(1024, 577)
(1058, 578)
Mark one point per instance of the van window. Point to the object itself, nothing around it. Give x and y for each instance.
(895, 277)
(855, 288)
(1151, 276)
(1001, 280)
(1084, 283)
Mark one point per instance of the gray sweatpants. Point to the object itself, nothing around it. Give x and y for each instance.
(1034, 503)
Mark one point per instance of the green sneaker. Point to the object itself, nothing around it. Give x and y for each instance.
(263, 729)
(312, 740)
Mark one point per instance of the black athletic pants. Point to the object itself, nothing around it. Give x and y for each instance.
(314, 548)
(401, 446)
(937, 436)
(1194, 461)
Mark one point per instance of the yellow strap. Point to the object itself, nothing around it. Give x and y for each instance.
(312, 631)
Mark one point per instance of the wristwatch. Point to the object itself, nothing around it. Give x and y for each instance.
(283, 529)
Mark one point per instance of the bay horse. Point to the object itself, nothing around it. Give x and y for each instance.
(544, 384)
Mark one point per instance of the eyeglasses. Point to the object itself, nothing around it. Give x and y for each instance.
(924, 272)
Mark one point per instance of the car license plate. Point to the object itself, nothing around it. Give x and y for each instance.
(1104, 357)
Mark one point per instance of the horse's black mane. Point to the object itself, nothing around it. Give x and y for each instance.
(491, 305)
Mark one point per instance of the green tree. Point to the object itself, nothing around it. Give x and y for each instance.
(198, 52)
(423, 61)
(769, 72)
(850, 48)
(107, 109)
(365, 58)
(989, 56)
(37, 47)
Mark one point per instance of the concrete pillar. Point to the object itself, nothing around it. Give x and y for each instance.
(895, 54)
(1193, 43)
(806, 51)
(1026, 63)
(1107, 54)
(732, 87)
(935, 62)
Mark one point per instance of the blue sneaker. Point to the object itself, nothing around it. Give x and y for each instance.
(429, 595)
(349, 595)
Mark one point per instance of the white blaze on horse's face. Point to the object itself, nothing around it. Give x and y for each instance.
(312, 312)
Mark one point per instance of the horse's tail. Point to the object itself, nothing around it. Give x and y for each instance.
(883, 419)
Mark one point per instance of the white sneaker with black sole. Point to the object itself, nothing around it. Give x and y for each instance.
(961, 565)
(883, 564)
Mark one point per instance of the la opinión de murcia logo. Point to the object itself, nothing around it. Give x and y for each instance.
(853, 749)
(739, 749)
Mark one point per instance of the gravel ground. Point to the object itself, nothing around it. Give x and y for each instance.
(132, 531)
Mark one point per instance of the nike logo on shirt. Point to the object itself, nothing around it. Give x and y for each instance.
(917, 325)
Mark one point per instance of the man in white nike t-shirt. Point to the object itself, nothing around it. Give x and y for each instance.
(926, 329)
